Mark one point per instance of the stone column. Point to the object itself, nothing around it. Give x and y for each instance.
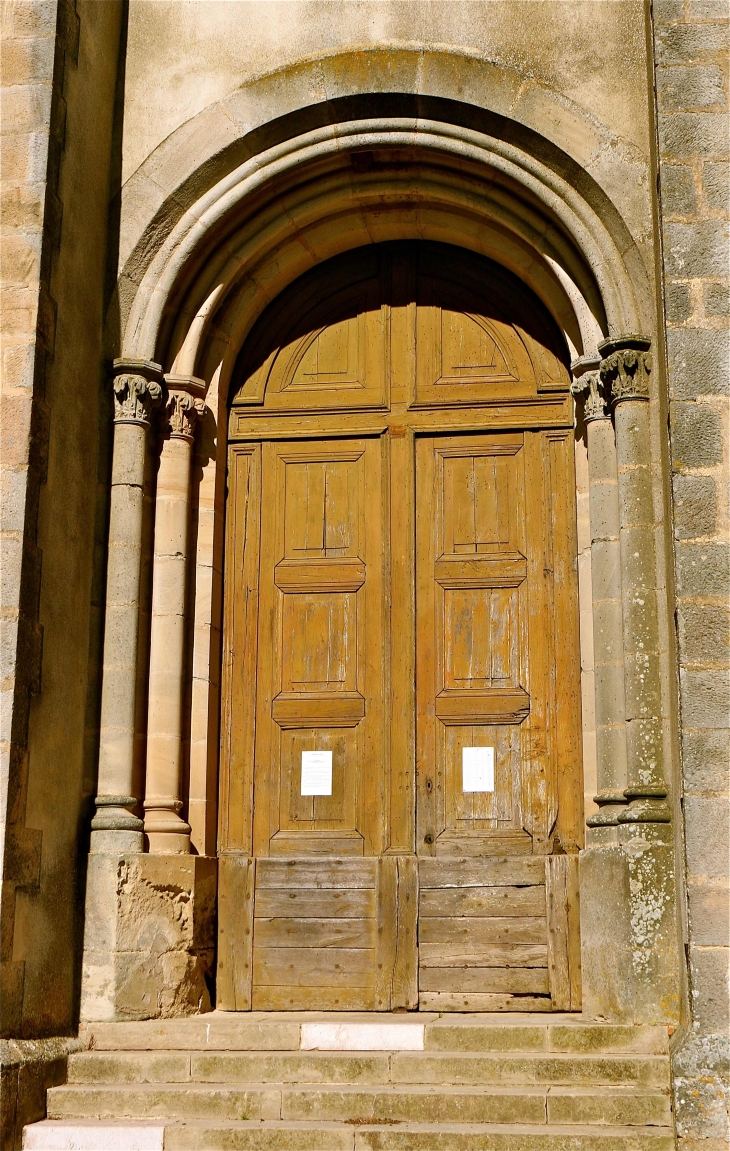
(606, 593)
(137, 390)
(625, 370)
(167, 832)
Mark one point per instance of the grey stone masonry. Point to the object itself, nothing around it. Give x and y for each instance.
(691, 39)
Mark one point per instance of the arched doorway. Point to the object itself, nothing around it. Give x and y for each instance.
(401, 792)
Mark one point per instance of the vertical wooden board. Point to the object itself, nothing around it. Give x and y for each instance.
(566, 701)
(402, 642)
(427, 513)
(236, 885)
(387, 925)
(538, 767)
(556, 894)
(572, 884)
(240, 636)
(405, 974)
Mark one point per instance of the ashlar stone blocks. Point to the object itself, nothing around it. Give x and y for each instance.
(148, 949)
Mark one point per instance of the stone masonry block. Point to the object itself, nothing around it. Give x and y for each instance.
(710, 982)
(684, 135)
(704, 633)
(707, 10)
(153, 954)
(716, 184)
(709, 913)
(700, 362)
(690, 87)
(698, 249)
(716, 299)
(29, 18)
(707, 831)
(703, 569)
(666, 11)
(681, 43)
(705, 698)
(696, 436)
(695, 506)
(705, 757)
(678, 303)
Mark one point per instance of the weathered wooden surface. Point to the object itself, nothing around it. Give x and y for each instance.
(236, 884)
(563, 920)
(413, 593)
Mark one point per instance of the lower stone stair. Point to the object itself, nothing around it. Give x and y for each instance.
(309, 1082)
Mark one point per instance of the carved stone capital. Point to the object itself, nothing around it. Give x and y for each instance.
(138, 390)
(625, 367)
(185, 402)
(590, 390)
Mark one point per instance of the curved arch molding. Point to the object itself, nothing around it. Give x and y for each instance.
(350, 150)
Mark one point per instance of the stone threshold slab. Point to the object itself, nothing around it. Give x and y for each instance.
(94, 1135)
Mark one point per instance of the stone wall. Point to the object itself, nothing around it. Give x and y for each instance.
(691, 44)
(59, 59)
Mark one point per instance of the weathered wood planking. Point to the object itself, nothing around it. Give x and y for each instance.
(405, 972)
(492, 955)
(290, 932)
(563, 918)
(483, 901)
(320, 903)
(470, 933)
(485, 980)
(236, 884)
(342, 874)
(452, 1001)
(523, 871)
(301, 998)
(313, 967)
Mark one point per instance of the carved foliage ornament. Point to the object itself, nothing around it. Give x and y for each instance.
(625, 374)
(182, 410)
(589, 388)
(135, 397)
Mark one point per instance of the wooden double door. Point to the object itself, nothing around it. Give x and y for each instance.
(400, 803)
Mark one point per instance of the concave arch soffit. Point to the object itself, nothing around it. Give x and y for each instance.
(327, 173)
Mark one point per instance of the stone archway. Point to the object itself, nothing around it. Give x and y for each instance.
(293, 204)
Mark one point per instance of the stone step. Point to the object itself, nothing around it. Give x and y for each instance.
(366, 1068)
(358, 1105)
(294, 1031)
(79, 1135)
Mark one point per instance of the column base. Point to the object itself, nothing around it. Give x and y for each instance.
(167, 833)
(148, 937)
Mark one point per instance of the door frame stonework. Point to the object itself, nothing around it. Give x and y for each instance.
(308, 192)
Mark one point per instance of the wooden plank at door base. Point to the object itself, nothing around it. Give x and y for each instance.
(563, 920)
(497, 955)
(309, 998)
(396, 961)
(236, 881)
(313, 967)
(405, 973)
(480, 901)
(451, 1001)
(486, 980)
(465, 872)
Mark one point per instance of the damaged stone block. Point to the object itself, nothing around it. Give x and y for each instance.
(152, 957)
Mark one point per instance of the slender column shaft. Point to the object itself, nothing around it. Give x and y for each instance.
(611, 764)
(625, 369)
(167, 832)
(137, 390)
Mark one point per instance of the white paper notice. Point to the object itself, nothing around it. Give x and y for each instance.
(316, 773)
(477, 765)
